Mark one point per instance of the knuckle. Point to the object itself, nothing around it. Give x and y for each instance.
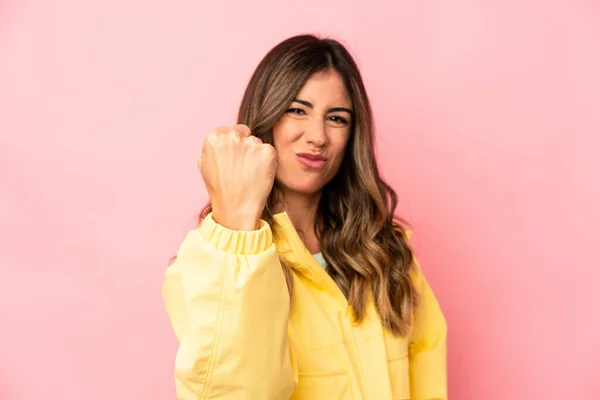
(217, 133)
(242, 129)
(268, 150)
(232, 132)
(235, 138)
(211, 137)
(222, 129)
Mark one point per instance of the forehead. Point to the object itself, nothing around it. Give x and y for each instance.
(326, 89)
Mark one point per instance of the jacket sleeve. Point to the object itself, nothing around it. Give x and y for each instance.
(228, 303)
(427, 346)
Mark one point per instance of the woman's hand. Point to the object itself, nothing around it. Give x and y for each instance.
(238, 170)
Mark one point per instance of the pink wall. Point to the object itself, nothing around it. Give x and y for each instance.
(488, 121)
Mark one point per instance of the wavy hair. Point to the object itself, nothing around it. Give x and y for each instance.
(363, 242)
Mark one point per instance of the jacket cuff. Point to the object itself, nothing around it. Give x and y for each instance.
(238, 242)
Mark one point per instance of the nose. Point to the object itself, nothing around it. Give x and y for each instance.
(316, 133)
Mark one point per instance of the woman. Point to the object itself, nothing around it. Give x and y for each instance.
(299, 282)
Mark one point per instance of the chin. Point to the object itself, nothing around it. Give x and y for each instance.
(304, 188)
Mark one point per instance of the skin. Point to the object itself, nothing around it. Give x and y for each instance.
(239, 170)
(317, 122)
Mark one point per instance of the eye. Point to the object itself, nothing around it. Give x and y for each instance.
(297, 111)
(338, 120)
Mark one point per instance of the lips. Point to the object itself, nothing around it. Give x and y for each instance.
(312, 161)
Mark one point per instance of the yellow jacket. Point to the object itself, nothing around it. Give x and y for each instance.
(240, 337)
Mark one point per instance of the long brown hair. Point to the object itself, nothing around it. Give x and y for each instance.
(363, 243)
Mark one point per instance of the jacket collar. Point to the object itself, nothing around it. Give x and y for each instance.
(293, 251)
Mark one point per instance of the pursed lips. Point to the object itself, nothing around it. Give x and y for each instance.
(312, 161)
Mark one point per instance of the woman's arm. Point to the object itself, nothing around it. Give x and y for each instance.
(228, 303)
(427, 351)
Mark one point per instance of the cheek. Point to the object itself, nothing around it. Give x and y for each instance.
(285, 132)
(339, 148)
(339, 157)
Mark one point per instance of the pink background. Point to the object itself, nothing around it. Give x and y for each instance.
(488, 122)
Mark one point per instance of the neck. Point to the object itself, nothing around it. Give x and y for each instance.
(302, 210)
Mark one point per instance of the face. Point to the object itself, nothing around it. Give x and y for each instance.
(311, 137)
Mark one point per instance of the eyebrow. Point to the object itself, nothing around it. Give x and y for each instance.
(334, 109)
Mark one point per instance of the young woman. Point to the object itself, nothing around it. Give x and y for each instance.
(299, 281)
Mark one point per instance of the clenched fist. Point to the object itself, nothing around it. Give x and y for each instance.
(238, 170)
